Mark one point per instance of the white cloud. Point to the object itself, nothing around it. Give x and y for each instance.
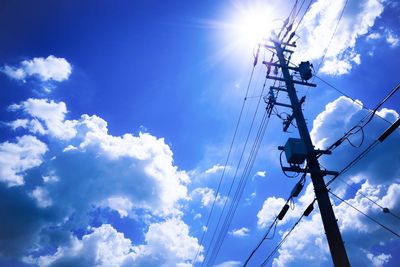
(207, 196)
(50, 178)
(339, 112)
(45, 69)
(318, 26)
(168, 244)
(133, 175)
(214, 169)
(374, 36)
(387, 35)
(378, 260)
(229, 264)
(240, 232)
(392, 39)
(52, 114)
(42, 197)
(103, 247)
(271, 207)
(197, 216)
(120, 204)
(70, 148)
(260, 173)
(16, 158)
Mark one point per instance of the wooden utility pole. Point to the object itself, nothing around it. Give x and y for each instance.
(336, 245)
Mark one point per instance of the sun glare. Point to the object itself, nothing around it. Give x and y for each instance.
(252, 25)
(244, 25)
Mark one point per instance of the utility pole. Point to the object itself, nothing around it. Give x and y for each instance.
(336, 245)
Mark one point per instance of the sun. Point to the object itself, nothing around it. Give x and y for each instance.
(252, 24)
(242, 27)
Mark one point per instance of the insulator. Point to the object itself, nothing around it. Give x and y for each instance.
(283, 212)
(297, 189)
(386, 210)
(309, 209)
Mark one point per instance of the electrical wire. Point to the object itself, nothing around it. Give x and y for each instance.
(354, 162)
(363, 213)
(302, 17)
(344, 94)
(230, 214)
(238, 193)
(273, 252)
(274, 223)
(333, 35)
(384, 209)
(226, 161)
(360, 126)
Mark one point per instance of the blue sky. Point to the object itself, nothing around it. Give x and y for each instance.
(117, 118)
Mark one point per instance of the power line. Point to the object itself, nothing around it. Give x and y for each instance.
(239, 191)
(360, 126)
(274, 223)
(343, 93)
(302, 17)
(366, 215)
(384, 209)
(333, 35)
(273, 252)
(230, 213)
(227, 158)
(356, 160)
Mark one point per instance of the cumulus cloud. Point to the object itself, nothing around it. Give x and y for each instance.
(41, 196)
(47, 116)
(229, 264)
(214, 169)
(378, 260)
(319, 24)
(240, 232)
(271, 207)
(260, 174)
(104, 246)
(120, 204)
(207, 196)
(16, 158)
(167, 244)
(45, 69)
(128, 174)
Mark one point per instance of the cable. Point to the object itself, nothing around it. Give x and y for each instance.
(238, 194)
(333, 35)
(226, 164)
(273, 252)
(354, 161)
(344, 94)
(360, 126)
(229, 217)
(274, 223)
(366, 215)
(302, 17)
(384, 209)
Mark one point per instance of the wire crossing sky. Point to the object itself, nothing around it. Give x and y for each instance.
(137, 133)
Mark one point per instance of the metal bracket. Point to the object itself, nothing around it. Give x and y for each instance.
(296, 82)
(300, 170)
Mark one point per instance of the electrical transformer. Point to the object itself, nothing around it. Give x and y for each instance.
(295, 151)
